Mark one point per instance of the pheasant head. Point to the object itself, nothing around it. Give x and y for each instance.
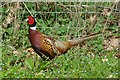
(31, 22)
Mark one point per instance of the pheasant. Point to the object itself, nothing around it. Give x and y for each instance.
(46, 46)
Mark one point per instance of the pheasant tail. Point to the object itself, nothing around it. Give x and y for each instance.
(63, 47)
(77, 41)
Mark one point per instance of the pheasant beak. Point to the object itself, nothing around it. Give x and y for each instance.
(26, 20)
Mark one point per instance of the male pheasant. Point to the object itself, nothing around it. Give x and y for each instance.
(48, 47)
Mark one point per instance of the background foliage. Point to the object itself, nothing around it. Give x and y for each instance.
(61, 20)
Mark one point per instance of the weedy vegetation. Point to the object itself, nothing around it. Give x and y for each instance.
(97, 58)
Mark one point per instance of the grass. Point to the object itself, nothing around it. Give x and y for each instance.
(88, 60)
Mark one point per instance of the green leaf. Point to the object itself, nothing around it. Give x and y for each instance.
(29, 63)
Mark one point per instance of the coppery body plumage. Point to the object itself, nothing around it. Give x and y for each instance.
(40, 44)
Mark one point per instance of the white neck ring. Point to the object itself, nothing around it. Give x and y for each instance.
(33, 28)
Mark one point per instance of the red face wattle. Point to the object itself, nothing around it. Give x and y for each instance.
(31, 20)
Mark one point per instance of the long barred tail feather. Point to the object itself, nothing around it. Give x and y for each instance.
(77, 41)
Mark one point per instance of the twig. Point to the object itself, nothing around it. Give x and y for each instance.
(27, 9)
(108, 18)
(107, 8)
